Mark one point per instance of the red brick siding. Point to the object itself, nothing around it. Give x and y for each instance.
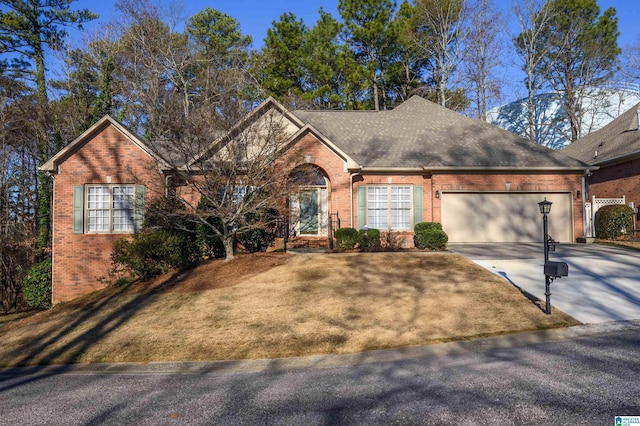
(310, 150)
(79, 259)
(339, 200)
(616, 181)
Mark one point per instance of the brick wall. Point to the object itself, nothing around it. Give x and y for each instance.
(317, 153)
(308, 150)
(79, 259)
(616, 181)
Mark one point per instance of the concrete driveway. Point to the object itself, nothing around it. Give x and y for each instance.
(603, 283)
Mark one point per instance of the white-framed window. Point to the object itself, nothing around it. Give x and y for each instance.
(389, 207)
(110, 209)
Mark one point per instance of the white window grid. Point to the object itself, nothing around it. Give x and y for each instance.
(110, 208)
(389, 207)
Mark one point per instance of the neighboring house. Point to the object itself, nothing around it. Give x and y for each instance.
(614, 151)
(381, 169)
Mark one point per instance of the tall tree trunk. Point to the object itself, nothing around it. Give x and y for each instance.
(228, 247)
(43, 207)
(376, 103)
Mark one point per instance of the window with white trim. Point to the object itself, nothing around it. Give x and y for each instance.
(110, 208)
(389, 207)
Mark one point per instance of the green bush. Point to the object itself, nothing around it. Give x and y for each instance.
(429, 235)
(255, 240)
(37, 285)
(347, 238)
(427, 227)
(369, 239)
(154, 252)
(613, 221)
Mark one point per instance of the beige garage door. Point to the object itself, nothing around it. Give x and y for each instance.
(504, 217)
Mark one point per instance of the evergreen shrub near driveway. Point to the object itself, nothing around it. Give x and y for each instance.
(429, 235)
(613, 221)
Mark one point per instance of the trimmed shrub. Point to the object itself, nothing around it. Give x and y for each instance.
(369, 239)
(429, 235)
(154, 252)
(255, 240)
(613, 221)
(37, 285)
(427, 227)
(347, 238)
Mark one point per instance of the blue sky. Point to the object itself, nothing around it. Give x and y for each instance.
(256, 16)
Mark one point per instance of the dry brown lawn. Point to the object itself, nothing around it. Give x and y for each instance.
(277, 305)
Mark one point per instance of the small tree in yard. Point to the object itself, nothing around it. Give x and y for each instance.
(239, 181)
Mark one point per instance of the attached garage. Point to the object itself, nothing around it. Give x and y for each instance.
(500, 217)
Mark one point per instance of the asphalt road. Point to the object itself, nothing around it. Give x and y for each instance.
(603, 283)
(584, 378)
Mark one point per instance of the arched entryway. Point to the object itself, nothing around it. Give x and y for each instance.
(309, 205)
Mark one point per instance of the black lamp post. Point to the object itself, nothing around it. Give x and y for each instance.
(545, 208)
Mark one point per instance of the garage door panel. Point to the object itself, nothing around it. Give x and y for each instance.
(504, 217)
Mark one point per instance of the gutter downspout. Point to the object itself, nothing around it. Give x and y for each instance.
(587, 221)
(351, 176)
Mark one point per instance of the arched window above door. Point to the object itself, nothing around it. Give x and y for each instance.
(308, 176)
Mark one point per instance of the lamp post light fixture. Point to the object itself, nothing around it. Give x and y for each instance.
(545, 208)
(552, 270)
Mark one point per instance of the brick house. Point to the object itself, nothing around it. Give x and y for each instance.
(381, 169)
(614, 153)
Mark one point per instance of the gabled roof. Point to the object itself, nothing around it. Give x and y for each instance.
(422, 134)
(257, 112)
(63, 154)
(617, 141)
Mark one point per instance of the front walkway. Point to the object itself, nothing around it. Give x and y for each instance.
(603, 283)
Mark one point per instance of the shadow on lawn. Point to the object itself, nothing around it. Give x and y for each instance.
(39, 348)
(533, 299)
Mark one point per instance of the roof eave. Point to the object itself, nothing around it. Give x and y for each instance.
(52, 164)
(617, 160)
(217, 143)
(308, 128)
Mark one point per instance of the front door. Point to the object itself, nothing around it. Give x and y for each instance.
(309, 211)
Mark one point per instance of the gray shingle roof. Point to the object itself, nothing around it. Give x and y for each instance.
(420, 133)
(617, 140)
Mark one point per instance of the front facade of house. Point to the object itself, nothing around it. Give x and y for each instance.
(614, 153)
(386, 170)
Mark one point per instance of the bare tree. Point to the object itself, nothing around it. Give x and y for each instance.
(241, 181)
(440, 31)
(185, 93)
(484, 49)
(533, 20)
